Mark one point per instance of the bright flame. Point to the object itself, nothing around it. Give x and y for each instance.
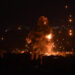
(49, 36)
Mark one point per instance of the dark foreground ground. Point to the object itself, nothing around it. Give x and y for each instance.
(22, 64)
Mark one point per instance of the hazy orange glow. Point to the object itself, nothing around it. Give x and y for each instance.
(45, 22)
(47, 53)
(58, 53)
(70, 34)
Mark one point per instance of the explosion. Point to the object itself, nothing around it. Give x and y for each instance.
(40, 41)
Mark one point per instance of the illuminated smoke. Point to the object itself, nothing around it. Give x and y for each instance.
(40, 40)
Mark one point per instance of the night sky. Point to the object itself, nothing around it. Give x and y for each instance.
(27, 12)
(23, 50)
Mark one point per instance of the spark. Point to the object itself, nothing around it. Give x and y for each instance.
(70, 20)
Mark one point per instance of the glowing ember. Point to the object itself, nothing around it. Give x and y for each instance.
(45, 22)
(66, 6)
(42, 21)
(70, 32)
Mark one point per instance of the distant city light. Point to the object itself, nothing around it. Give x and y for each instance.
(70, 15)
(2, 38)
(70, 32)
(70, 20)
(66, 6)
